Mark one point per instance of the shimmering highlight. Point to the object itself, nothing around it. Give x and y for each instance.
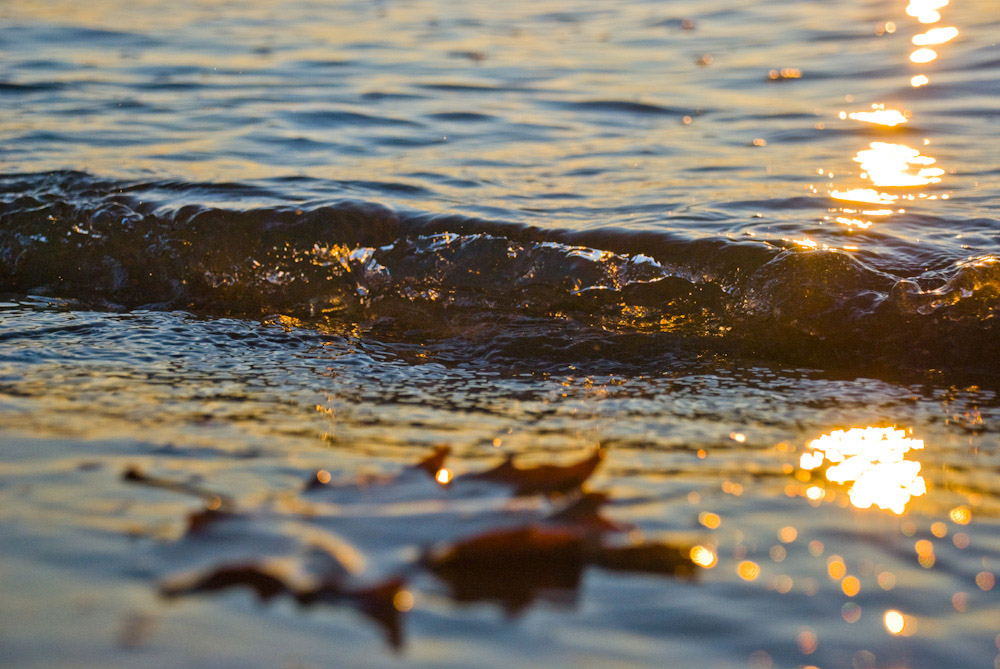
(872, 460)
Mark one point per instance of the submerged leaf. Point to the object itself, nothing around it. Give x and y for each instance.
(649, 558)
(545, 479)
(433, 463)
(584, 514)
(199, 520)
(512, 567)
(262, 580)
(136, 475)
(544, 558)
(381, 602)
(506, 547)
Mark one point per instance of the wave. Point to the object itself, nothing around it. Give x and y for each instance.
(512, 291)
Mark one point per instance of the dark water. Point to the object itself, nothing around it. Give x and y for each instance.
(241, 244)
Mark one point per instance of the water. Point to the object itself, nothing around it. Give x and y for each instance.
(244, 246)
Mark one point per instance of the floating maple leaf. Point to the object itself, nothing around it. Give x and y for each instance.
(531, 549)
(541, 479)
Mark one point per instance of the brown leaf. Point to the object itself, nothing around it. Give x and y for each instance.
(136, 475)
(199, 520)
(649, 558)
(584, 514)
(380, 602)
(546, 479)
(257, 578)
(433, 463)
(383, 604)
(512, 567)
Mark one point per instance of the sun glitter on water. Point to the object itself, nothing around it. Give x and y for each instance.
(703, 557)
(925, 11)
(891, 165)
(879, 115)
(872, 460)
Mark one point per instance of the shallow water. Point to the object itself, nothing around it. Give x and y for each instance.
(243, 246)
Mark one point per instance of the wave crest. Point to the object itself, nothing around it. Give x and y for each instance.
(72, 236)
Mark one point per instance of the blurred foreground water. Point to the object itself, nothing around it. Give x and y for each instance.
(258, 261)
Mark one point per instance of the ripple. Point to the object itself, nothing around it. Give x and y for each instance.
(340, 119)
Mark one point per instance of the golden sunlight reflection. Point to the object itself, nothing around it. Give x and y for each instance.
(872, 460)
(960, 515)
(863, 196)
(748, 570)
(703, 557)
(887, 165)
(925, 11)
(858, 223)
(709, 520)
(851, 218)
(925, 553)
(935, 36)
(443, 476)
(923, 55)
(836, 568)
(787, 534)
(894, 622)
(890, 165)
(785, 73)
(899, 624)
(879, 116)
(403, 601)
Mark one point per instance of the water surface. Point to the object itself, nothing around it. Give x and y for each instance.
(266, 258)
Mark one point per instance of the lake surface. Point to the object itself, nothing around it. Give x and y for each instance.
(258, 260)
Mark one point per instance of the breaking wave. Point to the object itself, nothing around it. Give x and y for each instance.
(509, 291)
